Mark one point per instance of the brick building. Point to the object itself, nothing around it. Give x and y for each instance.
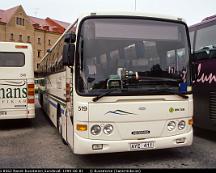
(17, 26)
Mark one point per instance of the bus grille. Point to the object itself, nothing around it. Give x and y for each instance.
(212, 105)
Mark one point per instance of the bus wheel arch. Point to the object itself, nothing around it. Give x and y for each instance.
(59, 124)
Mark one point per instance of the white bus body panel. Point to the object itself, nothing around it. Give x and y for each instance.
(130, 114)
(84, 146)
(55, 98)
(13, 84)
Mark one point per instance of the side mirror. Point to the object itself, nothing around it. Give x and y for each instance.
(68, 54)
(69, 49)
(70, 38)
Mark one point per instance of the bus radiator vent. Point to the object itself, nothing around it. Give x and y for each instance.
(212, 105)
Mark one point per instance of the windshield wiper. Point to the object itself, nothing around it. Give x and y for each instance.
(105, 94)
(173, 92)
(95, 99)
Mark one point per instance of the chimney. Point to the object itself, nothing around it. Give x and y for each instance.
(36, 25)
(46, 27)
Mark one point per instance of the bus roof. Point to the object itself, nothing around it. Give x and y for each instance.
(15, 46)
(138, 14)
(206, 20)
(15, 43)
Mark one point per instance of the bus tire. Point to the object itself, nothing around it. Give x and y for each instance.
(59, 125)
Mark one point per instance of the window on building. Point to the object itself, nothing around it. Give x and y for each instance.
(37, 65)
(11, 37)
(39, 41)
(17, 20)
(39, 53)
(20, 38)
(20, 21)
(28, 39)
(49, 42)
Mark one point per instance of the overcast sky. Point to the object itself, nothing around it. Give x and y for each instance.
(192, 11)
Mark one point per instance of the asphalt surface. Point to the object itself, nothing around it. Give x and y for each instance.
(37, 144)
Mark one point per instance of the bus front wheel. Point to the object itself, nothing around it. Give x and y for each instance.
(59, 124)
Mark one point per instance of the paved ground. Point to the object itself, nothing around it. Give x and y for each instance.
(36, 144)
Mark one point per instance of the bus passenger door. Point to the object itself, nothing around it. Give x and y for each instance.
(70, 128)
(69, 114)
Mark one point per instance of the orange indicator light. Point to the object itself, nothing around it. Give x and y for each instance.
(190, 122)
(82, 127)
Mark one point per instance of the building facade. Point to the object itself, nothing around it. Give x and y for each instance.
(17, 26)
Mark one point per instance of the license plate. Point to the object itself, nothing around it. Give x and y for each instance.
(142, 146)
(3, 113)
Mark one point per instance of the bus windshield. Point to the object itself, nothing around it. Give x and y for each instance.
(136, 55)
(205, 37)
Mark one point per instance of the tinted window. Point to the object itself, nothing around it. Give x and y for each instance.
(205, 37)
(9, 59)
(133, 52)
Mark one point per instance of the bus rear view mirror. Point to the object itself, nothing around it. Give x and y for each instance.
(70, 38)
(68, 54)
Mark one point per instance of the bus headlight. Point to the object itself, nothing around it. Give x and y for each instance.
(181, 125)
(108, 129)
(95, 129)
(171, 125)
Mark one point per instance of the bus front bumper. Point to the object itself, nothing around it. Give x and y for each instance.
(85, 146)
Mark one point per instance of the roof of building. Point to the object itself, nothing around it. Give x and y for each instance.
(6, 15)
(1, 15)
(47, 24)
(64, 24)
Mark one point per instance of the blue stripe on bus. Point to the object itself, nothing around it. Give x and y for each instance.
(55, 106)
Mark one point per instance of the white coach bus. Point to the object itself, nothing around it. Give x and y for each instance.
(117, 82)
(16, 81)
